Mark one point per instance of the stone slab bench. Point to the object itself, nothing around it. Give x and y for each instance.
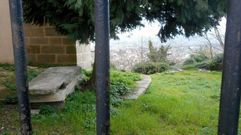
(53, 85)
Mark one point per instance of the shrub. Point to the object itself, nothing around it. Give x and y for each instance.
(202, 65)
(195, 58)
(150, 67)
(158, 54)
(215, 64)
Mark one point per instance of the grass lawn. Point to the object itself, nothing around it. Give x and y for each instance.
(184, 103)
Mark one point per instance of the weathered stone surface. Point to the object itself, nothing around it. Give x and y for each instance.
(142, 86)
(53, 80)
(59, 95)
(53, 86)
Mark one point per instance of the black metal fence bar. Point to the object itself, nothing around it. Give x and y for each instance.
(102, 66)
(231, 81)
(16, 12)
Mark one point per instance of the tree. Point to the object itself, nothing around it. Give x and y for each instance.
(158, 55)
(186, 17)
(75, 18)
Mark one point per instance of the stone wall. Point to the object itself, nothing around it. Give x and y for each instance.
(46, 46)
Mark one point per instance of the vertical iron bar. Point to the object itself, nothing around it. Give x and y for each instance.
(16, 12)
(102, 66)
(231, 81)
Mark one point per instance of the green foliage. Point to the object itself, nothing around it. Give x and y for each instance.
(202, 62)
(117, 91)
(121, 83)
(187, 17)
(7, 78)
(47, 110)
(4, 133)
(195, 58)
(175, 103)
(127, 78)
(32, 73)
(157, 63)
(7, 67)
(150, 67)
(10, 100)
(9, 85)
(78, 115)
(216, 63)
(158, 55)
(75, 18)
(167, 103)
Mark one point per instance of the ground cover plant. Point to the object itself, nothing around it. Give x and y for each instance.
(182, 103)
(78, 116)
(7, 80)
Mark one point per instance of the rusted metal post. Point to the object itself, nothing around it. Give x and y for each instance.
(231, 81)
(102, 66)
(16, 12)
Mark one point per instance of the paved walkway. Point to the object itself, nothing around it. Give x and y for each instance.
(142, 86)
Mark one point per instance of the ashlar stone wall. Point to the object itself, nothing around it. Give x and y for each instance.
(46, 46)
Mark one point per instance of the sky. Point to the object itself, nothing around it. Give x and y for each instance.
(142, 35)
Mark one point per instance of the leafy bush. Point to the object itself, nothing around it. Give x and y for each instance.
(150, 67)
(158, 54)
(215, 64)
(195, 58)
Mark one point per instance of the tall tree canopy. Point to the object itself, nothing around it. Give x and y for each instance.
(75, 18)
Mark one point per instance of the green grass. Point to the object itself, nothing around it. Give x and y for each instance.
(184, 103)
(8, 80)
(77, 118)
(78, 115)
(127, 78)
(176, 103)
(7, 75)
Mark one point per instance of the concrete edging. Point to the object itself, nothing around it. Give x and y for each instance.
(142, 86)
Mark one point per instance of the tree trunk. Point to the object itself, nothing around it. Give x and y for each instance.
(91, 81)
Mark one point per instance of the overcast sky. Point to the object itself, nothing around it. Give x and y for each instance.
(142, 35)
